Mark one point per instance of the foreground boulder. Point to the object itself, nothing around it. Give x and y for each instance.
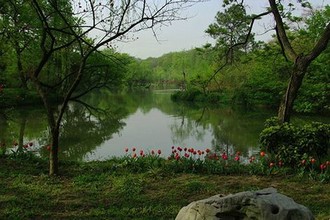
(263, 204)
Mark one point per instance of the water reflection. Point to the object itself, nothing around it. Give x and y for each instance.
(149, 120)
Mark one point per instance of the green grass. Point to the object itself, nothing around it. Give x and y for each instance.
(106, 190)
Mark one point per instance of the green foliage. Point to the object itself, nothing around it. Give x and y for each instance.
(291, 144)
(14, 96)
(230, 28)
(195, 95)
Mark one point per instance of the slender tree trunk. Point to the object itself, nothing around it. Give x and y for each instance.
(54, 129)
(53, 154)
(297, 76)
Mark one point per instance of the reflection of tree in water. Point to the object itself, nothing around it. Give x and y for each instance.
(20, 125)
(83, 129)
(184, 127)
(231, 129)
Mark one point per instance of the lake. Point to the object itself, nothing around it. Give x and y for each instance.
(146, 120)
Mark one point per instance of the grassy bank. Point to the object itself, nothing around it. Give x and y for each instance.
(103, 190)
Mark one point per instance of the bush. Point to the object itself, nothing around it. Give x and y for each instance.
(195, 95)
(292, 144)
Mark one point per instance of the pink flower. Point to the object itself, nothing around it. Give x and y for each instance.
(159, 151)
(236, 158)
(224, 156)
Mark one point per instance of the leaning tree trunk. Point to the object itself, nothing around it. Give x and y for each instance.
(297, 76)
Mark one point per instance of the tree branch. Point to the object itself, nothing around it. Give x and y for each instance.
(281, 34)
(321, 45)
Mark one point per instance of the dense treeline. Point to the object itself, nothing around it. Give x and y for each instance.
(256, 76)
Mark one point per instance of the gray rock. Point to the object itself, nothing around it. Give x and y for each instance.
(263, 204)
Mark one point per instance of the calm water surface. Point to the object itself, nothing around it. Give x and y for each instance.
(145, 120)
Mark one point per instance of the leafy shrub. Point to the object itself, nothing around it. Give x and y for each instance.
(291, 143)
(195, 95)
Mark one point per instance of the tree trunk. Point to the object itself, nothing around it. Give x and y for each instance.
(53, 154)
(297, 75)
(54, 129)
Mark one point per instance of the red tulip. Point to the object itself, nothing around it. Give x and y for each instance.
(323, 166)
(159, 151)
(236, 158)
(152, 152)
(30, 144)
(313, 160)
(133, 149)
(262, 153)
(303, 162)
(224, 156)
